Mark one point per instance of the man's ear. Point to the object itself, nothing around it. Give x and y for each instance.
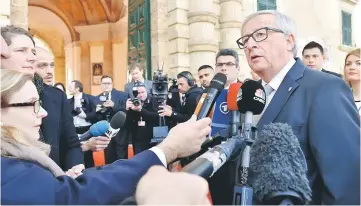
(291, 42)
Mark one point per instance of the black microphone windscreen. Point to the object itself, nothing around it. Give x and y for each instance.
(118, 120)
(278, 164)
(251, 97)
(218, 81)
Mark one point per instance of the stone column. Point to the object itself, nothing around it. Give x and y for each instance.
(86, 74)
(19, 13)
(178, 37)
(108, 58)
(230, 30)
(202, 43)
(158, 33)
(60, 70)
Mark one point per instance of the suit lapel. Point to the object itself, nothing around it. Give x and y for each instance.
(283, 93)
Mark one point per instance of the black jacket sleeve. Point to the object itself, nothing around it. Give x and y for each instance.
(69, 138)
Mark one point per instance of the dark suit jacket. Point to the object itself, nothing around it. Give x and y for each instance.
(321, 111)
(129, 86)
(58, 129)
(333, 73)
(86, 105)
(119, 99)
(25, 182)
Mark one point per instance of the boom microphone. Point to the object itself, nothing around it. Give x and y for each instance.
(279, 167)
(216, 86)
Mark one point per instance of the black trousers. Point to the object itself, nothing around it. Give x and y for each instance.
(140, 146)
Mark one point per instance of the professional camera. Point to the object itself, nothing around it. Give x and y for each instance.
(160, 84)
(76, 111)
(135, 100)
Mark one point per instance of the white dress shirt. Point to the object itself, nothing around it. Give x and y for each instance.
(275, 84)
(79, 120)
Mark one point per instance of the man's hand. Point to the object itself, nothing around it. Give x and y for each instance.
(75, 171)
(186, 138)
(165, 111)
(137, 108)
(158, 186)
(95, 144)
(108, 103)
(129, 104)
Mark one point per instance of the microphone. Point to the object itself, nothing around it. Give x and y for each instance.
(279, 168)
(104, 128)
(95, 130)
(251, 99)
(209, 162)
(116, 122)
(232, 106)
(216, 86)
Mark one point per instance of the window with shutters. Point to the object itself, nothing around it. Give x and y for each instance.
(139, 34)
(266, 5)
(346, 29)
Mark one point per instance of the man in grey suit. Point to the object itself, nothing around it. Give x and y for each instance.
(319, 107)
(136, 70)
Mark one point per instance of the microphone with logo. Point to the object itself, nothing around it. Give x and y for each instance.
(251, 100)
(105, 128)
(206, 103)
(279, 168)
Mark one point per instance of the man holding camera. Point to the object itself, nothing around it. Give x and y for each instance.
(192, 93)
(142, 116)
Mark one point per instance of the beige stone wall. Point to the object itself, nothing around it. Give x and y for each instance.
(188, 33)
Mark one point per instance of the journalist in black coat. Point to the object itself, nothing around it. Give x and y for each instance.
(58, 128)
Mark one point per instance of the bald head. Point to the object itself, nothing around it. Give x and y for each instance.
(44, 65)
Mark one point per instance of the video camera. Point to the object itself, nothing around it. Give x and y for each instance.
(160, 84)
(134, 99)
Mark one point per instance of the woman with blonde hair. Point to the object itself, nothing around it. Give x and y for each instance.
(352, 75)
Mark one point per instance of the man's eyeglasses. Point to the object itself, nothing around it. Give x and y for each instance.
(106, 83)
(258, 36)
(36, 105)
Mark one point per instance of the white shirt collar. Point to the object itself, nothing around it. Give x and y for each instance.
(79, 96)
(277, 80)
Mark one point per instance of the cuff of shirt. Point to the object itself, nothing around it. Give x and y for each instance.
(160, 155)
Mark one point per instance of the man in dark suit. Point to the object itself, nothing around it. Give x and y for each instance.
(136, 70)
(105, 105)
(319, 107)
(313, 56)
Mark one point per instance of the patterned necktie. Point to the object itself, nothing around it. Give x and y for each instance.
(268, 90)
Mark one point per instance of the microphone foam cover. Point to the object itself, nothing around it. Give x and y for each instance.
(232, 96)
(99, 128)
(251, 97)
(118, 120)
(278, 164)
(218, 81)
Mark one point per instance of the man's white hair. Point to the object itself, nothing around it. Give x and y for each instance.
(283, 22)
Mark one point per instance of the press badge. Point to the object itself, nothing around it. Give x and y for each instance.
(141, 123)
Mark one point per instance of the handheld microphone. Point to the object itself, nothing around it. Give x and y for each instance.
(216, 86)
(233, 107)
(251, 99)
(116, 122)
(279, 168)
(104, 128)
(95, 130)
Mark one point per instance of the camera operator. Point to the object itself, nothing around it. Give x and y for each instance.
(192, 93)
(142, 116)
